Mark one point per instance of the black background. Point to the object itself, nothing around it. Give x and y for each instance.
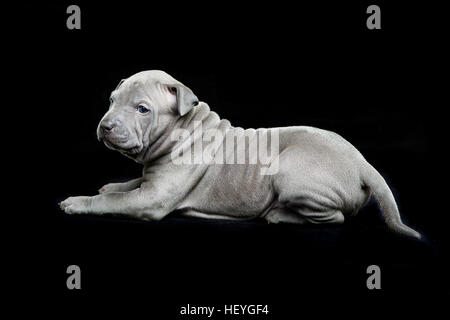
(258, 65)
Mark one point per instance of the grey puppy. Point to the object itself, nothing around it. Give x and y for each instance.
(321, 178)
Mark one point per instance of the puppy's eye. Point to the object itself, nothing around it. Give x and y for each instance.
(142, 109)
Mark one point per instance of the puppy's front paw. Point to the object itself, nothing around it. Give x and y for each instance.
(76, 205)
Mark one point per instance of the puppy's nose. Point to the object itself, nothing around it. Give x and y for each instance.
(107, 126)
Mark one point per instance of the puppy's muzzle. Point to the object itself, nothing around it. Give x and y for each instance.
(112, 131)
(107, 126)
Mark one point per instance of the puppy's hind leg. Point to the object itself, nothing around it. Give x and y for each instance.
(284, 215)
(304, 211)
(317, 216)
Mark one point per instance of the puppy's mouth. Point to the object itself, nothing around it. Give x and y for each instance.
(121, 145)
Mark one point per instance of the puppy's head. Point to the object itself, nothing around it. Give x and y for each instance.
(142, 108)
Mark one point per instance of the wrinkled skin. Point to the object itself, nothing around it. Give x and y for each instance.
(321, 179)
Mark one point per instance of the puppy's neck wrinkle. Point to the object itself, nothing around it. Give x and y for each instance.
(197, 123)
(156, 149)
(201, 115)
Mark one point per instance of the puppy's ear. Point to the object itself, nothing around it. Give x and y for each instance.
(186, 99)
(120, 83)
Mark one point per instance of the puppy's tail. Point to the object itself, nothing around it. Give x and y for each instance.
(385, 198)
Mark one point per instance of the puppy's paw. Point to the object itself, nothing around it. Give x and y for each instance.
(76, 205)
(110, 187)
(273, 219)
